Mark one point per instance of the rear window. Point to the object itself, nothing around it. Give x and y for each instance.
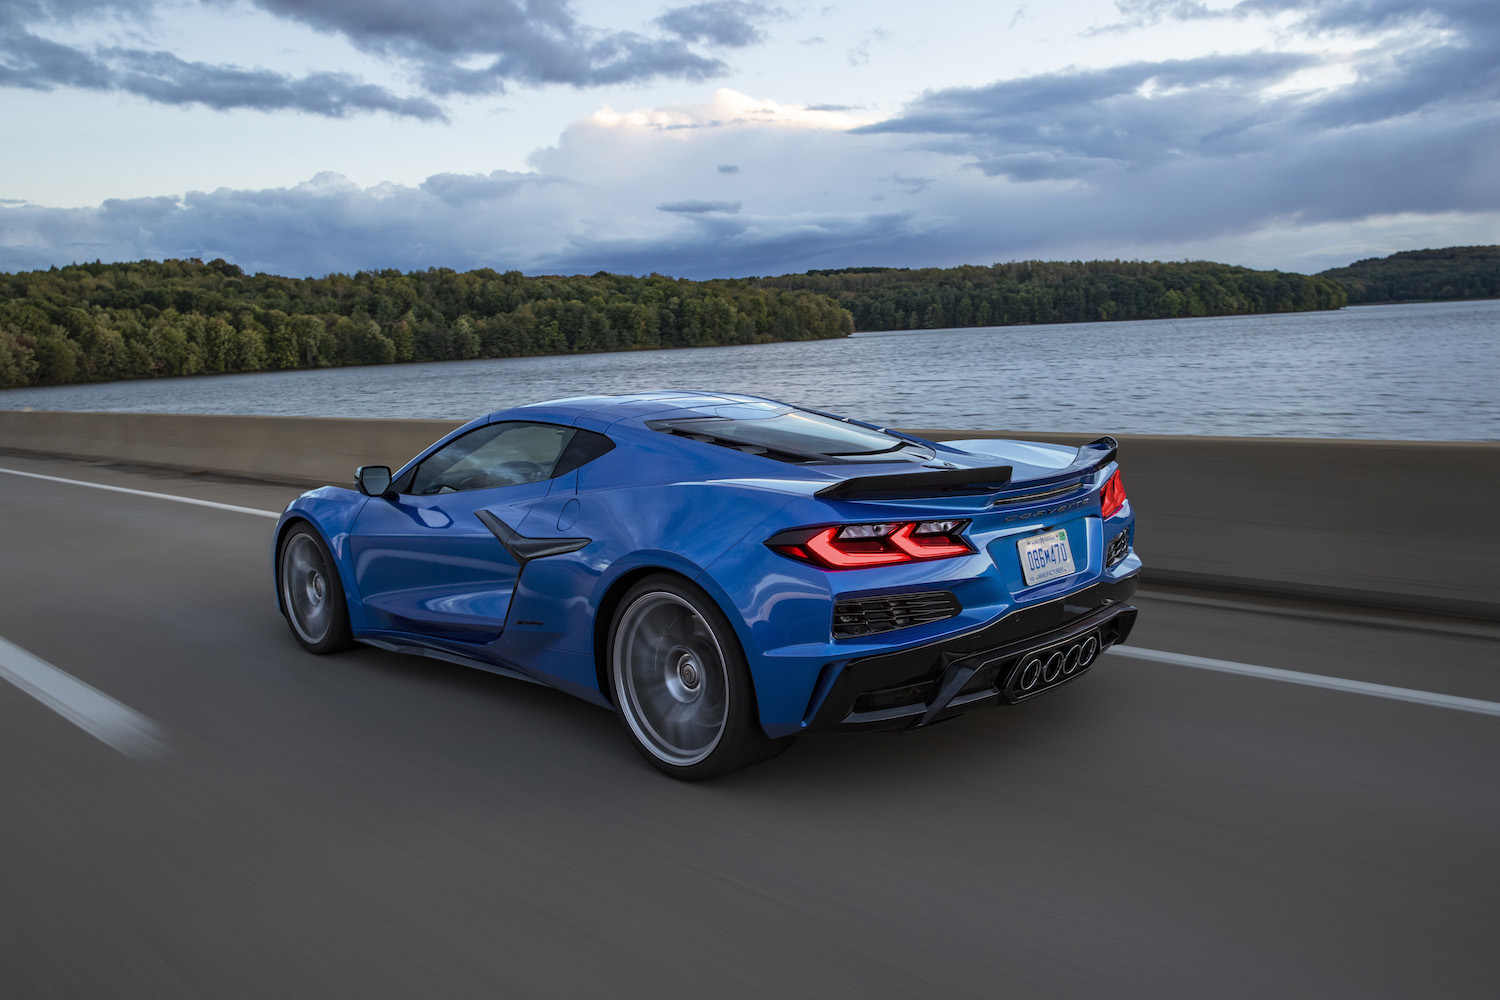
(797, 436)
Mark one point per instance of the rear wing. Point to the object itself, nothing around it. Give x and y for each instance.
(965, 482)
(943, 483)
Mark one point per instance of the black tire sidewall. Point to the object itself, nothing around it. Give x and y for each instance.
(339, 634)
(743, 742)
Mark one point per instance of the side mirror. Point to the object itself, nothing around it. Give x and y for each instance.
(373, 480)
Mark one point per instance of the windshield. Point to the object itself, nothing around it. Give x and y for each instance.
(804, 434)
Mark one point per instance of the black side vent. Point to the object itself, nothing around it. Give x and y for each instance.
(1118, 548)
(869, 615)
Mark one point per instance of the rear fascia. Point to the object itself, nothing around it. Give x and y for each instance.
(786, 605)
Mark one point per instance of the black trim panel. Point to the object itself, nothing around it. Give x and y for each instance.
(895, 690)
(947, 482)
(523, 549)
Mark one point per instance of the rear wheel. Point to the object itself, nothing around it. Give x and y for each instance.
(681, 684)
(312, 598)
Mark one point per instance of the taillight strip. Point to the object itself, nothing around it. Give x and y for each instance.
(1112, 497)
(869, 545)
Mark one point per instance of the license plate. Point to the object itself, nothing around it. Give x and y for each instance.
(1046, 557)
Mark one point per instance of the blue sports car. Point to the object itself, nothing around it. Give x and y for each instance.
(725, 572)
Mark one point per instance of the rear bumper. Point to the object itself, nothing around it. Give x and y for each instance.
(1026, 653)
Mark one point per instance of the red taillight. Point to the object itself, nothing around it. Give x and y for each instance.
(931, 545)
(855, 546)
(1112, 497)
(828, 549)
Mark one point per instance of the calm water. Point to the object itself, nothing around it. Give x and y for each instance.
(1428, 371)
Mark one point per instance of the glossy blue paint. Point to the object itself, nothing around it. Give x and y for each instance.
(426, 571)
(427, 564)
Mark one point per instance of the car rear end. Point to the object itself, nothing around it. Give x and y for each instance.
(906, 594)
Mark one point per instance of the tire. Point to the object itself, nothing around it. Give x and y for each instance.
(311, 594)
(680, 683)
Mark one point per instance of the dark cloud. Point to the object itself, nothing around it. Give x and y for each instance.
(728, 168)
(693, 207)
(523, 41)
(38, 64)
(451, 47)
(1097, 125)
(729, 23)
(1194, 149)
(1312, 15)
(330, 224)
(34, 62)
(161, 76)
(729, 246)
(1368, 15)
(1071, 123)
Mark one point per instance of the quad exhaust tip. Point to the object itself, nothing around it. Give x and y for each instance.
(1047, 667)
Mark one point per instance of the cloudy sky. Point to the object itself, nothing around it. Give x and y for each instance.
(735, 137)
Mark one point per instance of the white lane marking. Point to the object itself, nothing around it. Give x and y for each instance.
(147, 493)
(91, 710)
(1312, 680)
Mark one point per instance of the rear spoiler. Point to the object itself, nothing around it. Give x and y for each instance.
(964, 482)
(1096, 454)
(944, 483)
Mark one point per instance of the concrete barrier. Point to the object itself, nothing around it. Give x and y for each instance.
(297, 451)
(1400, 525)
(1383, 524)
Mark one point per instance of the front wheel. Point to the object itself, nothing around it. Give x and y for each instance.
(681, 684)
(312, 598)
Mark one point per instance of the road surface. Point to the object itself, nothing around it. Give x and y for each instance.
(254, 821)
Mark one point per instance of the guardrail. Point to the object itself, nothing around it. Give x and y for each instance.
(1401, 525)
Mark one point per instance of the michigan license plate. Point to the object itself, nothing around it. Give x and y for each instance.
(1046, 557)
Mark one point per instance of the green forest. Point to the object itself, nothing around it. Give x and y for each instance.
(100, 322)
(1423, 276)
(882, 298)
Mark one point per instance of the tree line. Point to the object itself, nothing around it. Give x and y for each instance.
(1055, 292)
(99, 322)
(1423, 275)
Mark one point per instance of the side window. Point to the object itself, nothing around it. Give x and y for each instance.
(583, 449)
(504, 454)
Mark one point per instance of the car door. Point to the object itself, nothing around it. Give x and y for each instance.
(425, 561)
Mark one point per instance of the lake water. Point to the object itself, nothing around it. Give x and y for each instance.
(1422, 371)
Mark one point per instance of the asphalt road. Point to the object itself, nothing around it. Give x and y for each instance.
(371, 825)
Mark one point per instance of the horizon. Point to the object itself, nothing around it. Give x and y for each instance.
(852, 268)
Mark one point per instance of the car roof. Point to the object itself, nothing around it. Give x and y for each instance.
(598, 412)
